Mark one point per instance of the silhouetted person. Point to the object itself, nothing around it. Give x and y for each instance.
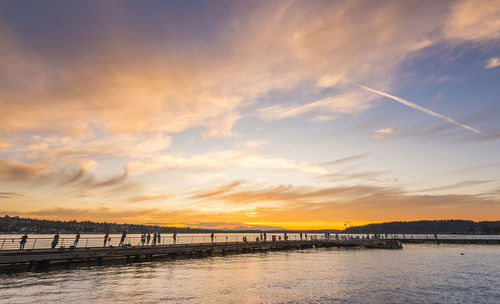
(148, 239)
(159, 238)
(174, 237)
(301, 236)
(154, 239)
(55, 240)
(212, 236)
(143, 239)
(77, 239)
(106, 236)
(122, 240)
(23, 241)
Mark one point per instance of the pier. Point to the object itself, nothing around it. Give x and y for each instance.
(36, 259)
(451, 241)
(37, 253)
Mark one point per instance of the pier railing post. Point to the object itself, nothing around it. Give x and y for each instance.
(33, 244)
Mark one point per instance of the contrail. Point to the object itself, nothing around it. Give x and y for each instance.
(415, 106)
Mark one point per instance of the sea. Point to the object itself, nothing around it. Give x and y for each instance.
(420, 273)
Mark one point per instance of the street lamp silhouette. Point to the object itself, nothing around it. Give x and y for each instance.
(345, 224)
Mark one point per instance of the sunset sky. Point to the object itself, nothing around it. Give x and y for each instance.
(293, 114)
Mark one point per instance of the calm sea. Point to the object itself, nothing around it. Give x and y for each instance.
(416, 274)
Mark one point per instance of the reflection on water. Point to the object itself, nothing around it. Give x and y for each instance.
(417, 274)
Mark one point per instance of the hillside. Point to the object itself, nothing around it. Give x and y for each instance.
(16, 224)
(439, 226)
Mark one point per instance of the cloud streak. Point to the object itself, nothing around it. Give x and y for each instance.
(346, 159)
(150, 197)
(417, 107)
(10, 194)
(458, 185)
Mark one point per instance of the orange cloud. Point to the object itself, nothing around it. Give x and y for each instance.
(150, 197)
(305, 204)
(474, 20)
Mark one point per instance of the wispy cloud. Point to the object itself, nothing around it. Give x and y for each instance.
(474, 20)
(150, 197)
(10, 194)
(85, 179)
(458, 185)
(216, 191)
(492, 63)
(350, 176)
(381, 133)
(346, 159)
(247, 158)
(417, 107)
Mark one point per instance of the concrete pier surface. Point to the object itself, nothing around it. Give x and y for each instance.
(41, 258)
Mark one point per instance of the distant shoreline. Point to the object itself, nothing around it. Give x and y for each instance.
(16, 225)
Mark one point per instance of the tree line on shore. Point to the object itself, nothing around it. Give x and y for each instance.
(15, 224)
(430, 227)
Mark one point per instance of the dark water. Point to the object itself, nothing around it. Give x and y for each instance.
(417, 274)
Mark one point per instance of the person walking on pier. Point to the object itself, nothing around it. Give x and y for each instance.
(143, 239)
(23, 241)
(55, 240)
(174, 238)
(301, 236)
(154, 239)
(77, 239)
(148, 239)
(106, 236)
(212, 236)
(159, 239)
(122, 240)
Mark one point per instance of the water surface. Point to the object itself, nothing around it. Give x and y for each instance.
(416, 274)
